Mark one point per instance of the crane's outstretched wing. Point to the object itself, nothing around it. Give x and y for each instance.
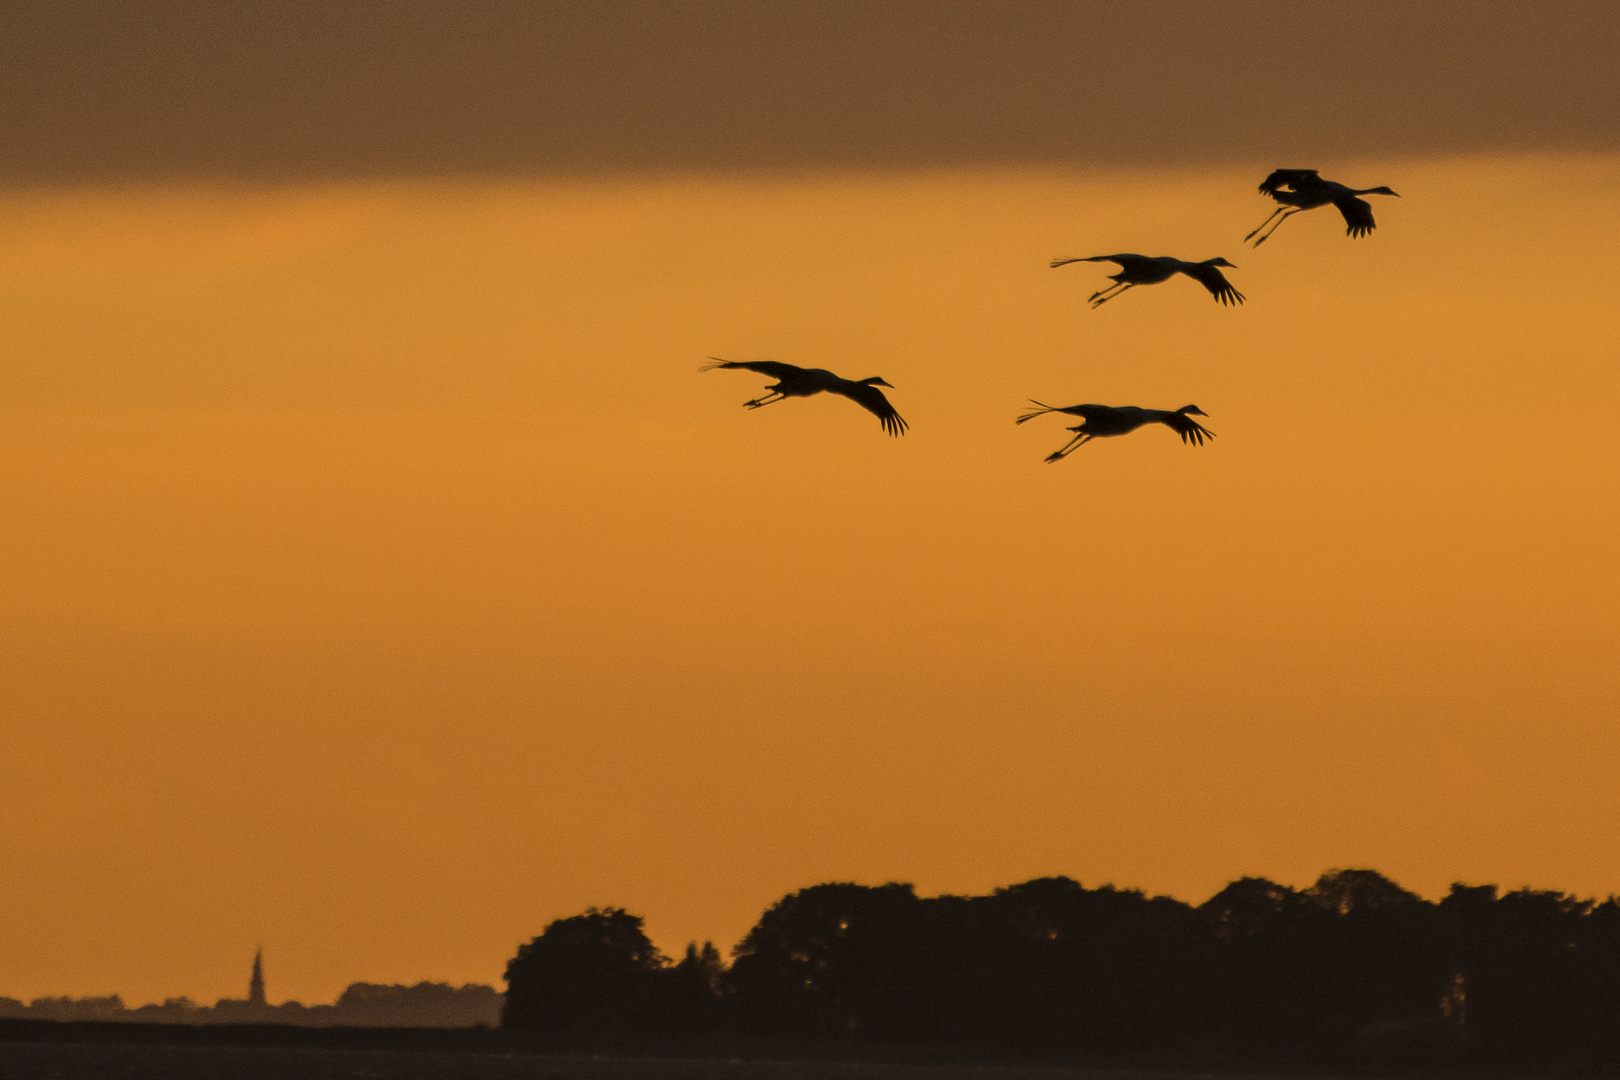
(1086, 412)
(1358, 217)
(1211, 278)
(773, 368)
(1189, 429)
(872, 400)
(1287, 178)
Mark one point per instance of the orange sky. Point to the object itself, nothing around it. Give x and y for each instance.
(380, 579)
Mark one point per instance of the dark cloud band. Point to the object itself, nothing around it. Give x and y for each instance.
(285, 89)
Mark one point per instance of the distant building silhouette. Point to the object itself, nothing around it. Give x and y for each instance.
(256, 983)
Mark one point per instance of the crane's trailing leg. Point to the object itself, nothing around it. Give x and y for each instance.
(1073, 444)
(1099, 299)
(1264, 223)
(761, 402)
(1286, 215)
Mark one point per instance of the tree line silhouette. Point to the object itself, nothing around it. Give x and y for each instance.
(1352, 966)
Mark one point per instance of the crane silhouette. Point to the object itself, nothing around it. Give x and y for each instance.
(792, 381)
(1101, 421)
(1150, 270)
(1303, 189)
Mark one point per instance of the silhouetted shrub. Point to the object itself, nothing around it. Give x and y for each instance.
(1518, 963)
(592, 973)
(828, 960)
(688, 997)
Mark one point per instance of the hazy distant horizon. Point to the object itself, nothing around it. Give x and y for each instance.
(362, 1004)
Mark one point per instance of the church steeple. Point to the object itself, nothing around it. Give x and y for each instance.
(256, 984)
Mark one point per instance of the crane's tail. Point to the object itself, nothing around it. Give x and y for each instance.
(1041, 410)
(718, 363)
(1055, 263)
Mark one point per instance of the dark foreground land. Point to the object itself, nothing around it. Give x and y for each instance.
(35, 1050)
(92, 1052)
(36, 1061)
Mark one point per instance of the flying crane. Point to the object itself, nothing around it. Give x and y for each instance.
(792, 381)
(1102, 421)
(1150, 270)
(1303, 189)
